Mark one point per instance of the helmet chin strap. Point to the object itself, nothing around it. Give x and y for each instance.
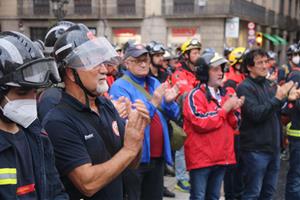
(85, 90)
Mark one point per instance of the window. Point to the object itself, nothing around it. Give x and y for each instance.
(126, 7)
(38, 33)
(41, 7)
(82, 6)
(281, 7)
(183, 6)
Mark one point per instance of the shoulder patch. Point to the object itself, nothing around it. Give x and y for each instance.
(115, 128)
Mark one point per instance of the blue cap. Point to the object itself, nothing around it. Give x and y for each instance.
(135, 51)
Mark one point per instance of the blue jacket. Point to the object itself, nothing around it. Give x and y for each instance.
(47, 183)
(122, 87)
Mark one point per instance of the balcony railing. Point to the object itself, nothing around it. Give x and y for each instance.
(132, 10)
(126, 9)
(183, 8)
(248, 11)
(216, 8)
(41, 8)
(211, 7)
(83, 7)
(270, 18)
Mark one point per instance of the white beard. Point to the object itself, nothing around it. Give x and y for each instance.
(102, 88)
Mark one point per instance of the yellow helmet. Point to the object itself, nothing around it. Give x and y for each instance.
(236, 55)
(190, 44)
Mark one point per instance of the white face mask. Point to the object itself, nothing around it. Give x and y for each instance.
(296, 60)
(20, 111)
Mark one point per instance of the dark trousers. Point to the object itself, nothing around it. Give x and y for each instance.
(146, 182)
(233, 179)
(292, 190)
(261, 172)
(206, 183)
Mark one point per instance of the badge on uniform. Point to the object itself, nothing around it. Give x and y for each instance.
(115, 128)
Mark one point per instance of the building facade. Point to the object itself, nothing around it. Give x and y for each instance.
(216, 23)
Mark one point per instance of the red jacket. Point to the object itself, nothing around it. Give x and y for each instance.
(209, 129)
(234, 76)
(186, 77)
(110, 80)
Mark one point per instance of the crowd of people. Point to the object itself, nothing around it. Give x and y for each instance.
(81, 118)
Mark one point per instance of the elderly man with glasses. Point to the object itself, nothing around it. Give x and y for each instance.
(147, 180)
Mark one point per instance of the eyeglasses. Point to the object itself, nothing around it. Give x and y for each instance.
(140, 61)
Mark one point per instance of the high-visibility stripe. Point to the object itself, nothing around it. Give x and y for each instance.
(25, 189)
(8, 176)
(8, 170)
(292, 132)
(8, 181)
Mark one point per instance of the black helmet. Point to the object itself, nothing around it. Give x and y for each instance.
(39, 44)
(227, 51)
(209, 59)
(22, 64)
(72, 38)
(78, 47)
(154, 47)
(293, 48)
(54, 33)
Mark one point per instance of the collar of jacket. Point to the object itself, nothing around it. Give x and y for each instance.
(4, 144)
(186, 67)
(140, 81)
(259, 80)
(204, 88)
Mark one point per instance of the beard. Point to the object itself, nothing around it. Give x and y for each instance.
(102, 88)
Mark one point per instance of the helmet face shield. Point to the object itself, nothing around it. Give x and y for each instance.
(91, 54)
(38, 73)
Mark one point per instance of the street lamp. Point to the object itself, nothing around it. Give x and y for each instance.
(58, 8)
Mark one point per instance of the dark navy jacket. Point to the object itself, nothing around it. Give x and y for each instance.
(294, 107)
(260, 124)
(47, 182)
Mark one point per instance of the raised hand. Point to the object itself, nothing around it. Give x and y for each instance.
(123, 106)
(172, 93)
(158, 94)
(282, 91)
(239, 103)
(294, 93)
(134, 132)
(233, 103)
